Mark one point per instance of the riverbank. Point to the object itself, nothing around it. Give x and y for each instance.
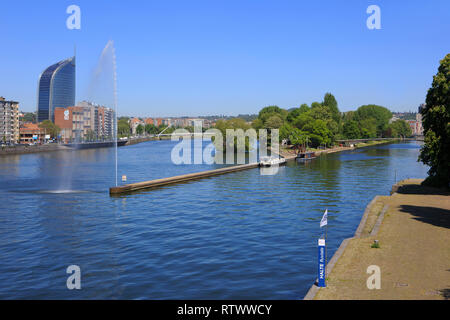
(51, 147)
(25, 149)
(412, 227)
(291, 153)
(140, 140)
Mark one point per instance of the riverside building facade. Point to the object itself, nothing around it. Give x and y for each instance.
(85, 122)
(56, 89)
(31, 133)
(9, 121)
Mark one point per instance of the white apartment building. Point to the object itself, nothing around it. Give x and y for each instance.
(9, 121)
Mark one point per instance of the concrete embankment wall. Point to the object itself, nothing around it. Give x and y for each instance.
(24, 149)
(139, 140)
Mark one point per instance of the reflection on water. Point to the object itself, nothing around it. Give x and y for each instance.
(238, 235)
(61, 191)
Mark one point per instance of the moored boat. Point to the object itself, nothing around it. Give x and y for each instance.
(305, 156)
(271, 161)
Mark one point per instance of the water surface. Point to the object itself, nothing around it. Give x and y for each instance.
(236, 236)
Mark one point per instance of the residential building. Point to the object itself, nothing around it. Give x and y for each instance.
(194, 122)
(134, 123)
(416, 127)
(179, 122)
(103, 119)
(85, 122)
(419, 115)
(9, 121)
(56, 89)
(394, 118)
(157, 122)
(31, 133)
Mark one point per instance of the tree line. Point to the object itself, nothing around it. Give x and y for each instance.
(322, 124)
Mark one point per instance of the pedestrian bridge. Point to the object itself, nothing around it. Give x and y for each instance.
(354, 141)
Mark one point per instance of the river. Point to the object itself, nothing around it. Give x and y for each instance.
(241, 235)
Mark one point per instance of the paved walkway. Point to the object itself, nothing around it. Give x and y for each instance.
(413, 230)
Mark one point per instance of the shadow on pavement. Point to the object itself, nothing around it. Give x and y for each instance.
(419, 189)
(445, 293)
(435, 216)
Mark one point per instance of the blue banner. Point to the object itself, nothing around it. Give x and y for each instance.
(321, 268)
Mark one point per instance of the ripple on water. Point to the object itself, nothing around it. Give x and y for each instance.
(240, 235)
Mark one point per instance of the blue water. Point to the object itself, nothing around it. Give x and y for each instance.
(236, 236)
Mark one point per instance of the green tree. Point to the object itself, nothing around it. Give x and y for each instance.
(330, 101)
(303, 119)
(234, 123)
(29, 117)
(380, 114)
(270, 111)
(304, 108)
(274, 122)
(398, 128)
(368, 128)
(123, 127)
(351, 130)
(50, 128)
(151, 129)
(436, 123)
(318, 132)
(321, 112)
(90, 135)
(190, 128)
(285, 131)
(140, 129)
(294, 113)
(315, 104)
(257, 124)
(349, 115)
(298, 138)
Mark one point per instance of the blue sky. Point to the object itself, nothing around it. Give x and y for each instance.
(228, 57)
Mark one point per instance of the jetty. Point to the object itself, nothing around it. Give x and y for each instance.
(176, 179)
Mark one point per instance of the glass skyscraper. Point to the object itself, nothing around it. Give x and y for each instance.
(56, 88)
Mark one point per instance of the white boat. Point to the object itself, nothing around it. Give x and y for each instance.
(271, 161)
